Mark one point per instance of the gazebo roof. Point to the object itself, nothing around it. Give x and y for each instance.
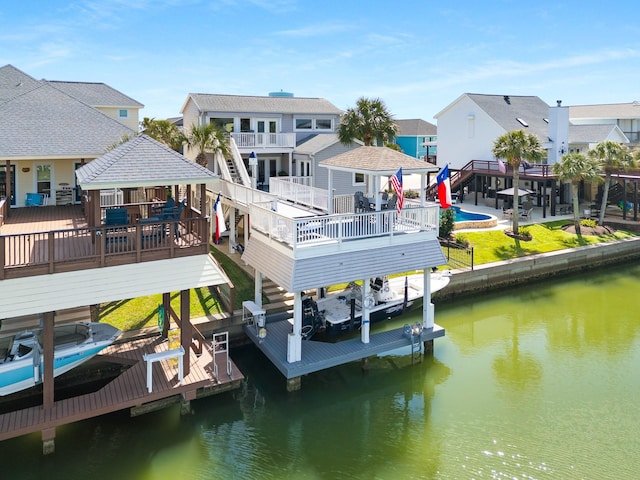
(142, 162)
(377, 161)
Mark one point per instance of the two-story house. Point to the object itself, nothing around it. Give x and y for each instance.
(266, 129)
(417, 138)
(624, 115)
(49, 129)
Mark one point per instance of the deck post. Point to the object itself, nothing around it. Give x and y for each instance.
(294, 344)
(257, 294)
(428, 310)
(428, 348)
(47, 354)
(186, 330)
(48, 441)
(294, 384)
(366, 322)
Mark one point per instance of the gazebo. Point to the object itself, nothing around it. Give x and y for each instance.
(375, 163)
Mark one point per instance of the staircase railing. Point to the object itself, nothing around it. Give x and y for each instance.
(238, 163)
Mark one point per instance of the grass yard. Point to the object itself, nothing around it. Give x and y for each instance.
(494, 246)
(142, 312)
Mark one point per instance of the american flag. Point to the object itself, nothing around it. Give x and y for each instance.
(396, 184)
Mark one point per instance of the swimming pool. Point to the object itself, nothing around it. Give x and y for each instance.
(466, 219)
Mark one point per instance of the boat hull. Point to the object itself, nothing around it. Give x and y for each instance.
(22, 373)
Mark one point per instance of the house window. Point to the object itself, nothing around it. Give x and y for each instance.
(358, 179)
(224, 124)
(323, 124)
(123, 113)
(303, 124)
(245, 124)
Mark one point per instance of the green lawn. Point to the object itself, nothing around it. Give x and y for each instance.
(493, 245)
(142, 312)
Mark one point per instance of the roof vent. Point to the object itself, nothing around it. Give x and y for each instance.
(507, 100)
(559, 102)
(280, 94)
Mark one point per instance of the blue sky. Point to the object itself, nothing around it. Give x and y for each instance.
(416, 55)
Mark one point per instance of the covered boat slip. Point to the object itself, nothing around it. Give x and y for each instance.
(318, 355)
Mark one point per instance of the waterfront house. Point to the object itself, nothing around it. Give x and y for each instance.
(46, 134)
(265, 128)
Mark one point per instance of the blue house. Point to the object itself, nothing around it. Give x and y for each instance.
(417, 138)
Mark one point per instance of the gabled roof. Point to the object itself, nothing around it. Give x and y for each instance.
(96, 94)
(595, 134)
(45, 122)
(141, 162)
(610, 111)
(378, 160)
(14, 82)
(316, 143)
(415, 128)
(505, 110)
(249, 104)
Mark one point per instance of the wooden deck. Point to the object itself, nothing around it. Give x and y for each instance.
(318, 355)
(42, 240)
(128, 390)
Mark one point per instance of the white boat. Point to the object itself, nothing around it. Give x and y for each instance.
(21, 359)
(342, 311)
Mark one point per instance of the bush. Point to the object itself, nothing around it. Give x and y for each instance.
(447, 222)
(588, 222)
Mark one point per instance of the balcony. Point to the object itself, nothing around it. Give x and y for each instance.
(39, 241)
(265, 141)
(325, 234)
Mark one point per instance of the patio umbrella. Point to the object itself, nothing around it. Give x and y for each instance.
(512, 192)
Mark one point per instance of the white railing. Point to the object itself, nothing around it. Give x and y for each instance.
(298, 191)
(264, 140)
(111, 197)
(343, 204)
(239, 163)
(338, 228)
(244, 195)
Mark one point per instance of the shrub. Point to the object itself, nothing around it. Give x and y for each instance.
(447, 222)
(588, 222)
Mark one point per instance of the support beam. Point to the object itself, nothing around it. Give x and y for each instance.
(186, 330)
(166, 305)
(257, 293)
(48, 355)
(428, 309)
(294, 345)
(48, 441)
(366, 323)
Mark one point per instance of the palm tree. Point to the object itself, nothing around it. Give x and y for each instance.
(165, 132)
(207, 138)
(573, 168)
(514, 147)
(612, 157)
(369, 121)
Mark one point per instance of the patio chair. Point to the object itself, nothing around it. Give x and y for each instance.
(117, 220)
(526, 214)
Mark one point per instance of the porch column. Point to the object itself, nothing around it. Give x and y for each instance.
(7, 186)
(257, 294)
(294, 344)
(428, 310)
(366, 325)
(291, 165)
(166, 306)
(330, 192)
(203, 200)
(186, 332)
(232, 229)
(423, 189)
(247, 219)
(47, 367)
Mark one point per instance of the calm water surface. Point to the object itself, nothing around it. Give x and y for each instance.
(542, 382)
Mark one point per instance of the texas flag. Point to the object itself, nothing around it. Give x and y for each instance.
(444, 187)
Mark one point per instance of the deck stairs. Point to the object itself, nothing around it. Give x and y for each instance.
(279, 299)
(459, 179)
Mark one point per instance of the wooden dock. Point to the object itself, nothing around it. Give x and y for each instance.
(128, 390)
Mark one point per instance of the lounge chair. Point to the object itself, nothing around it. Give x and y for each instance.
(117, 220)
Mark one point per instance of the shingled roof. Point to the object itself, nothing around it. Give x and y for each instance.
(46, 122)
(142, 162)
(253, 104)
(96, 94)
(378, 160)
(14, 82)
(415, 127)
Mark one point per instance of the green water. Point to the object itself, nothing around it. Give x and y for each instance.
(542, 382)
